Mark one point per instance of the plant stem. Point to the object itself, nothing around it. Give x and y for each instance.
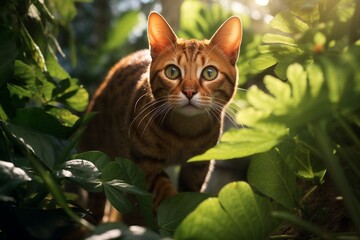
(337, 173)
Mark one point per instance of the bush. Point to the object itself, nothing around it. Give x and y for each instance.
(302, 135)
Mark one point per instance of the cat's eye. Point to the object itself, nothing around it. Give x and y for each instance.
(209, 73)
(172, 72)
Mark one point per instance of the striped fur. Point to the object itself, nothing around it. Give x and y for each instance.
(155, 121)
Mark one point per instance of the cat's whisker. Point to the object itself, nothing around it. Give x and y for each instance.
(145, 109)
(236, 107)
(215, 114)
(137, 101)
(157, 111)
(242, 89)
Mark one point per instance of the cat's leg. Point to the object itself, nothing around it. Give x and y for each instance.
(194, 176)
(158, 182)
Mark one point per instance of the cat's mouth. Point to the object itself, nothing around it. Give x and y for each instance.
(189, 110)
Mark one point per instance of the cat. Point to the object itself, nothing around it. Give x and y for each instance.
(162, 106)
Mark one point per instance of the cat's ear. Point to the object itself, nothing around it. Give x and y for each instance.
(160, 34)
(228, 38)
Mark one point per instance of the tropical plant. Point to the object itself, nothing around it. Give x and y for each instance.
(301, 132)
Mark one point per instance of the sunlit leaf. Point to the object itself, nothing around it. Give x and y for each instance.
(277, 88)
(288, 23)
(345, 10)
(277, 38)
(238, 213)
(316, 79)
(242, 143)
(297, 78)
(33, 48)
(263, 62)
(63, 115)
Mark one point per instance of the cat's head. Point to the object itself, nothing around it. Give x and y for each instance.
(193, 76)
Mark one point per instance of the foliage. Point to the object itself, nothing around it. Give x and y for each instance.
(301, 129)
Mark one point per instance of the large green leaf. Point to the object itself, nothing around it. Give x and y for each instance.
(45, 147)
(84, 172)
(170, 215)
(273, 174)
(238, 213)
(100, 159)
(126, 171)
(37, 118)
(117, 198)
(288, 23)
(241, 143)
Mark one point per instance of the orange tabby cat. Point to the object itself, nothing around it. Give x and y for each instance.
(164, 106)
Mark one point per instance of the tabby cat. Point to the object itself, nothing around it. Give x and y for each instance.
(164, 106)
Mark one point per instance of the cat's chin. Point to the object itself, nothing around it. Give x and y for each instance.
(189, 110)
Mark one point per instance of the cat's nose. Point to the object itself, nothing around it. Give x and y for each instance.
(189, 93)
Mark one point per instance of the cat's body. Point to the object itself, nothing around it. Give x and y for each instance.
(164, 106)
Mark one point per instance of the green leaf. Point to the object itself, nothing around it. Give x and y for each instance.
(8, 52)
(98, 158)
(288, 23)
(263, 62)
(271, 38)
(46, 147)
(55, 69)
(238, 213)
(128, 172)
(71, 93)
(242, 143)
(11, 177)
(278, 89)
(121, 29)
(117, 198)
(297, 77)
(66, 11)
(84, 172)
(316, 79)
(25, 77)
(273, 174)
(125, 187)
(64, 116)
(306, 167)
(33, 48)
(37, 118)
(345, 10)
(170, 216)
